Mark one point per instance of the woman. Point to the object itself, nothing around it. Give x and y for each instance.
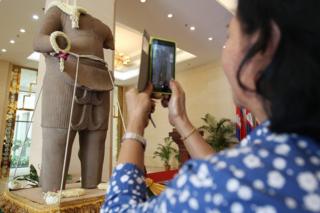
(272, 62)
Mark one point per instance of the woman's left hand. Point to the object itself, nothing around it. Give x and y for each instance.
(139, 108)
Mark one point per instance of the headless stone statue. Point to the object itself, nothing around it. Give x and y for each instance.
(91, 107)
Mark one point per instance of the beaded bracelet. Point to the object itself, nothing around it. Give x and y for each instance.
(136, 137)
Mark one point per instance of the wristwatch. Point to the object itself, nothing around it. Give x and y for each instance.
(136, 137)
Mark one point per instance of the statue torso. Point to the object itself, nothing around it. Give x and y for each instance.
(89, 38)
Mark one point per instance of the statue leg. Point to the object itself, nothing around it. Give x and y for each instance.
(53, 150)
(91, 155)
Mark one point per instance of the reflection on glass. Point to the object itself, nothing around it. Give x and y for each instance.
(23, 128)
(26, 100)
(28, 80)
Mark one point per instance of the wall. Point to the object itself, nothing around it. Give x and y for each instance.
(103, 10)
(207, 91)
(4, 86)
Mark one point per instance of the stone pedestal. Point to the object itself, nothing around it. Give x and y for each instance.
(31, 201)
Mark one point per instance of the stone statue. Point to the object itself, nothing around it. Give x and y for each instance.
(88, 37)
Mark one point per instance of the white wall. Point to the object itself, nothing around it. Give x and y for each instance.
(4, 89)
(103, 10)
(207, 91)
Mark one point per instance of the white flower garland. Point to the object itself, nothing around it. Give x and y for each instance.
(103, 186)
(57, 49)
(73, 11)
(52, 198)
(14, 184)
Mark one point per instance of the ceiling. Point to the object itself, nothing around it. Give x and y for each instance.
(209, 18)
(16, 14)
(132, 17)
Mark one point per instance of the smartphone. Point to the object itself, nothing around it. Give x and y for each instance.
(162, 64)
(144, 62)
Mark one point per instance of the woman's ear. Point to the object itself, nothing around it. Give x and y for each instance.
(263, 58)
(274, 41)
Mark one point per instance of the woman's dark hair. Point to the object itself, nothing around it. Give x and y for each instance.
(290, 84)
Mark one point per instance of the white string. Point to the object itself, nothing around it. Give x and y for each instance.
(111, 79)
(69, 129)
(27, 133)
(118, 104)
(70, 120)
(121, 115)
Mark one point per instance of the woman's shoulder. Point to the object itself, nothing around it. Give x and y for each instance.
(262, 151)
(285, 144)
(281, 169)
(264, 148)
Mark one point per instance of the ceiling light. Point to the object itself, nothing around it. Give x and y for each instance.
(192, 28)
(22, 30)
(124, 76)
(120, 60)
(12, 41)
(230, 5)
(4, 50)
(35, 56)
(210, 38)
(35, 17)
(143, 1)
(170, 15)
(182, 55)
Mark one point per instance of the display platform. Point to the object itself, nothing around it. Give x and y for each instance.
(31, 201)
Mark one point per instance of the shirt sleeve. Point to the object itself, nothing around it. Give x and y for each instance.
(238, 180)
(126, 189)
(268, 173)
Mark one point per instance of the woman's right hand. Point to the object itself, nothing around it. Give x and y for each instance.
(176, 104)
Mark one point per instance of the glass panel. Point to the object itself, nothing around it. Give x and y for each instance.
(23, 125)
(23, 116)
(26, 100)
(21, 144)
(28, 80)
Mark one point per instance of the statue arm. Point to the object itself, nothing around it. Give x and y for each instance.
(50, 24)
(109, 40)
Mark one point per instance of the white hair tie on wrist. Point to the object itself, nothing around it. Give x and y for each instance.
(61, 53)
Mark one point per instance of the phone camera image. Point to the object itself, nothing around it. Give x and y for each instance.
(162, 65)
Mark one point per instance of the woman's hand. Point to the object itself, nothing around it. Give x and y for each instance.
(139, 107)
(195, 144)
(176, 104)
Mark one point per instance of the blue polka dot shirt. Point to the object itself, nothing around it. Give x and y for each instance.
(266, 173)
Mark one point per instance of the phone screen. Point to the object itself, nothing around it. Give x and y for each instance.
(163, 55)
